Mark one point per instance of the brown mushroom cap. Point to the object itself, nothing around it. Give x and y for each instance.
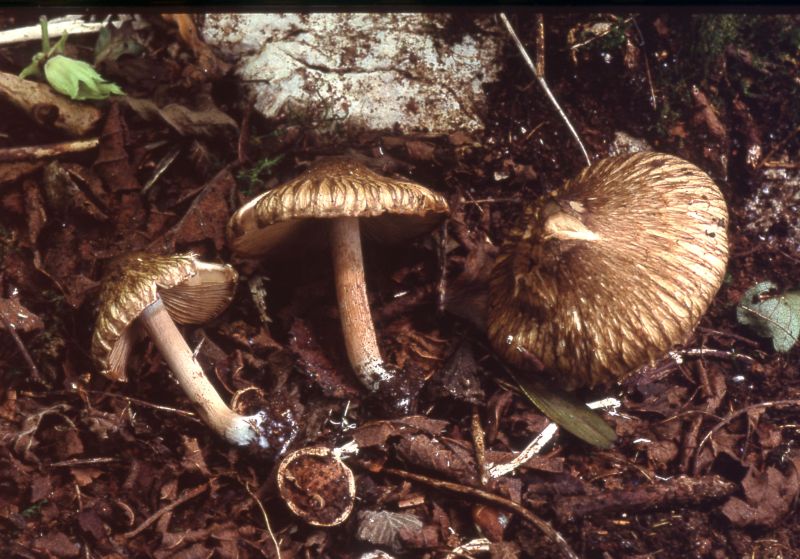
(391, 210)
(613, 271)
(192, 291)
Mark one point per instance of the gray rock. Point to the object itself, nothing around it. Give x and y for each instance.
(367, 71)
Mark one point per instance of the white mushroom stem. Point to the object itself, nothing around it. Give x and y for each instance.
(238, 429)
(351, 291)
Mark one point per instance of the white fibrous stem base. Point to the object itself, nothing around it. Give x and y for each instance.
(238, 429)
(351, 291)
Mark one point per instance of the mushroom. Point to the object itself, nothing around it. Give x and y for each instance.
(612, 271)
(335, 200)
(144, 292)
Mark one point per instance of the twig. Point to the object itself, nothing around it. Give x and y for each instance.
(47, 150)
(187, 495)
(543, 84)
(653, 101)
(683, 490)
(479, 440)
(266, 517)
(72, 25)
(83, 462)
(540, 44)
(730, 417)
(21, 346)
(533, 449)
(542, 525)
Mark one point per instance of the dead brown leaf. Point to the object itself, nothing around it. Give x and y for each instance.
(112, 163)
(769, 495)
(206, 218)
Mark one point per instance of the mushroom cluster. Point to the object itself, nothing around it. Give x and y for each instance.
(333, 203)
(610, 272)
(145, 293)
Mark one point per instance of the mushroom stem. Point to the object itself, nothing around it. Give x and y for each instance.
(238, 429)
(351, 291)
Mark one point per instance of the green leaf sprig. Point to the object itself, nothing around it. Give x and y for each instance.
(76, 79)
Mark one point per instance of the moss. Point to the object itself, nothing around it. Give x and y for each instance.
(709, 34)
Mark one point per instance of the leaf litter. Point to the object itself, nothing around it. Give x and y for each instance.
(702, 465)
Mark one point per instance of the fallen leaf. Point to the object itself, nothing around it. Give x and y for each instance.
(11, 172)
(769, 496)
(19, 317)
(384, 527)
(112, 164)
(210, 66)
(204, 120)
(206, 218)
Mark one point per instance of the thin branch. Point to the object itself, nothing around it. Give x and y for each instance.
(266, 517)
(47, 150)
(185, 496)
(543, 84)
(21, 346)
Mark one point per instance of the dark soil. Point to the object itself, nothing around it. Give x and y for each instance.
(706, 463)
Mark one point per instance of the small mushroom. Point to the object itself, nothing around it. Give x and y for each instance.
(612, 271)
(335, 201)
(147, 293)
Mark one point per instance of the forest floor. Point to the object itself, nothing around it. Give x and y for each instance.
(706, 463)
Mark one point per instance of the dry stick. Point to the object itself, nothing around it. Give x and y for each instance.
(72, 25)
(266, 517)
(479, 440)
(185, 496)
(540, 44)
(542, 525)
(728, 418)
(543, 84)
(47, 150)
(683, 490)
(351, 292)
(653, 101)
(21, 346)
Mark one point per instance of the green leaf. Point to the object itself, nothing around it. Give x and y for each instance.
(776, 317)
(568, 412)
(78, 80)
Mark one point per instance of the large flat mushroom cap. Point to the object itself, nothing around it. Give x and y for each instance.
(192, 291)
(391, 210)
(614, 271)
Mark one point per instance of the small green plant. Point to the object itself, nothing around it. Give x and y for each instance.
(74, 78)
(252, 176)
(776, 317)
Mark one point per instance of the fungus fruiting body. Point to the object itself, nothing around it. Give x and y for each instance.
(612, 271)
(148, 293)
(336, 202)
